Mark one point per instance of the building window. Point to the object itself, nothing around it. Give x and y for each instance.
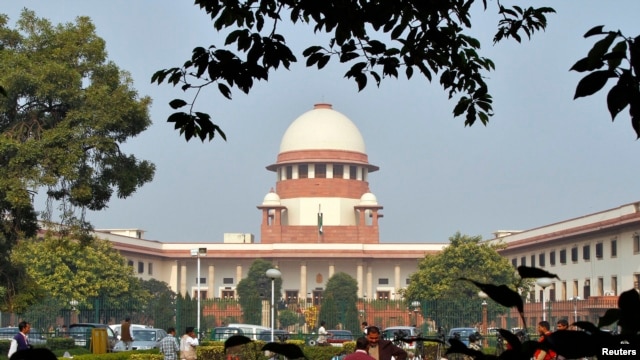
(586, 252)
(407, 281)
(227, 281)
(202, 280)
(614, 248)
(575, 288)
(552, 258)
(533, 261)
(599, 250)
(614, 285)
(563, 257)
(303, 171)
(203, 294)
(523, 261)
(600, 286)
(586, 290)
(564, 291)
(150, 268)
(338, 171)
(353, 172)
(636, 281)
(130, 263)
(514, 262)
(383, 281)
(320, 171)
(574, 254)
(541, 260)
(140, 267)
(636, 243)
(291, 296)
(289, 172)
(383, 295)
(228, 294)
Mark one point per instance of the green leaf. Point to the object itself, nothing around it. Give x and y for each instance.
(592, 83)
(177, 103)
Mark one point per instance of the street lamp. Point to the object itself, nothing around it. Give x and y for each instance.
(544, 282)
(415, 304)
(575, 300)
(273, 274)
(198, 253)
(485, 316)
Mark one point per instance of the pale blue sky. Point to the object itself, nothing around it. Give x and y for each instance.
(543, 157)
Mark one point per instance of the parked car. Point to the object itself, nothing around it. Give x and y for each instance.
(116, 328)
(249, 330)
(339, 337)
(224, 332)
(402, 334)
(35, 337)
(143, 339)
(462, 334)
(81, 333)
(278, 335)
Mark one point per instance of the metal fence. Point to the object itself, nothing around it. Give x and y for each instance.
(303, 317)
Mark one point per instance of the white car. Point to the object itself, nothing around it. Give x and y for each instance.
(116, 328)
(143, 339)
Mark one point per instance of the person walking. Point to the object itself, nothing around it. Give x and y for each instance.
(21, 340)
(169, 345)
(188, 344)
(381, 349)
(322, 334)
(361, 353)
(126, 334)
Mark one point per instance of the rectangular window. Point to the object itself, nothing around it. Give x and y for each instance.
(541, 260)
(383, 281)
(586, 252)
(563, 256)
(338, 171)
(564, 291)
(291, 296)
(383, 295)
(636, 243)
(140, 267)
(586, 289)
(552, 258)
(202, 280)
(599, 250)
(575, 288)
(130, 263)
(303, 171)
(321, 171)
(523, 261)
(150, 268)
(614, 248)
(574, 254)
(600, 286)
(514, 262)
(353, 172)
(227, 281)
(533, 261)
(614, 285)
(289, 172)
(407, 281)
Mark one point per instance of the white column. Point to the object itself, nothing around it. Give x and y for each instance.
(211, 283)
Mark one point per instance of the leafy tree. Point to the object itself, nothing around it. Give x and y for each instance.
(605, 61)
(64, 113)
(162, 302)
(288, 317)
(380, 39)
(438, 276)
(339, 302)
(255, 288)
(65, 269)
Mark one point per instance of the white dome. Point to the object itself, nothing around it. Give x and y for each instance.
(271, 199)
(368, 199)
(322, 128)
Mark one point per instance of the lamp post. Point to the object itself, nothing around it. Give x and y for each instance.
(273, 274)
(575, 300)
(485, 317)
(544, 282)
(415, 304)
(198, 253)
(74, 311)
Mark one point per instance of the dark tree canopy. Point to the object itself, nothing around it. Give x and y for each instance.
(378, 39)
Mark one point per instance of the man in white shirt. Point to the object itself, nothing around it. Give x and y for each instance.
(188, 343)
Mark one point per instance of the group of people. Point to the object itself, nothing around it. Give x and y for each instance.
(544, 330)
(186, 348)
